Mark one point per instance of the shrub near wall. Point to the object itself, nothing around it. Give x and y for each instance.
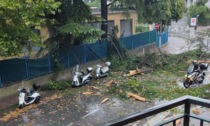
(142, 28)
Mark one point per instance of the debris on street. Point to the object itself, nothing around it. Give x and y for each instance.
(196, 111)
(137, 97)
(17, 112)
(94, 87)
(139, 71)
(105, 100)
(178, 121)
(87, 93)
(109, 83)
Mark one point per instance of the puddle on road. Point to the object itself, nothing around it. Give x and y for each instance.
(98, 114)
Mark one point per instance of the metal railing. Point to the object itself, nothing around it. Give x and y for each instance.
(187, 101)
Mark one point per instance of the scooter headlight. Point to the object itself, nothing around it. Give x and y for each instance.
(191, 79)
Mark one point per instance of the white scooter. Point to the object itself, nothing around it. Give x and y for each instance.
(102, 71)
(32, 96)
(80, 78)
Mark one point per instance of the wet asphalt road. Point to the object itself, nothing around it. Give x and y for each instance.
(69, 109)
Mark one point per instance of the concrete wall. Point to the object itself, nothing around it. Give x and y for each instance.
(144, 49)
(12, 89)
(117, 16)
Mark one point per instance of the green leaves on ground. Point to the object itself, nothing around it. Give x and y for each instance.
(162, 83)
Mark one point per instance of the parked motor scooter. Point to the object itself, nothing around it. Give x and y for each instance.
(31, 96)
(80, 78)
(102, 71)
(195, 77)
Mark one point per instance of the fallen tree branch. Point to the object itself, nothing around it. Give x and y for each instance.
(129, 94)
(105, 100)
(161, 55)
(110, 39)
(184, 56)
(139, 71)
(143, 61)
(109, 83)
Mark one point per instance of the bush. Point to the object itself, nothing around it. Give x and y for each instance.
(142, 28)
(203, 11)
(56, 85)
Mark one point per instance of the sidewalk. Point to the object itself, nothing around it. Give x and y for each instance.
(175, 45)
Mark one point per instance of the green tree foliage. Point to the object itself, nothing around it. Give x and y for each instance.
(72, 22)
(202, 10)
(18, 20)
(201, 2)
(160, 11)
(75, 23)
(177, 9)
(71, 28)
(150, 11)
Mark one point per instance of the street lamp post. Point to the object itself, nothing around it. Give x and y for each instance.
(196, 22)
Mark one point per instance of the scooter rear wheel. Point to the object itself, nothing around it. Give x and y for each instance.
(20, 106)
(37, 100)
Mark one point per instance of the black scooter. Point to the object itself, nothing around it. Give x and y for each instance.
(195, 77)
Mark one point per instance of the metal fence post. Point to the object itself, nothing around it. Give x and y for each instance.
(68, 59)
(160, 40)
(68, 62)
(85, 57)
(187, 113)
(149, 37)
(132, 43)
(49, 63)
(141, 40)
(99, 50)
(0, 82)
(26, 65)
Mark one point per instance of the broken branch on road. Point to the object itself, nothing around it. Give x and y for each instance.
(137, 97)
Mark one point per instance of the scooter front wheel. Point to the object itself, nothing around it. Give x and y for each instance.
(75, 84)
(186, 84)
(20, 106)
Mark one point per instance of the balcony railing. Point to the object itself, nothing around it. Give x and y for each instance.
(187, 101)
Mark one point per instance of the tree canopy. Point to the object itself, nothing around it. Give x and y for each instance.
(202, 10)
(75, 16)
(18, 20)
(150, 11)
(71, 26)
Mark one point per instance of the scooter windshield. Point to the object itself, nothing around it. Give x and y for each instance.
(190, 69)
